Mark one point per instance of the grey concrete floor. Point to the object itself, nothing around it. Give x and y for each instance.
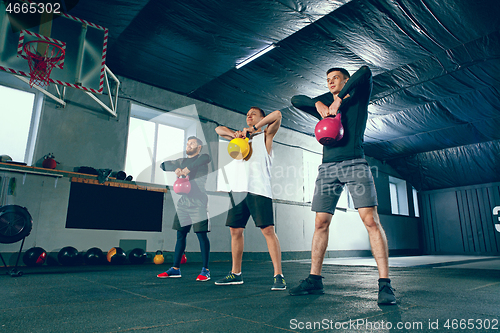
(431, 293)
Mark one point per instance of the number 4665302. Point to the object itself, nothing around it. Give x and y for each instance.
(471, 324)
(33, 8)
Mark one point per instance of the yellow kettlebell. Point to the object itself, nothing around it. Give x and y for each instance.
(159, 259)
(238, 148)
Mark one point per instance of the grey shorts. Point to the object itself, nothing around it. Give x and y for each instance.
(191, 211)
(332, 177)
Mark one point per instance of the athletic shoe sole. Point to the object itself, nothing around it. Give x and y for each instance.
(308, 292)
(202, 280)
(228, 283)
(167, 277)
(387, 303)
(275, 288)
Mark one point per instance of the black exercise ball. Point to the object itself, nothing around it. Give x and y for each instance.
(94, 256)
(137, 256)
(36, 256)
(116, 256)
(69, 256)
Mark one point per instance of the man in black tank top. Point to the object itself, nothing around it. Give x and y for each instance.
(344, 164)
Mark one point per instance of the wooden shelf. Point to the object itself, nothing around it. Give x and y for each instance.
(81, 177)
(129, 185)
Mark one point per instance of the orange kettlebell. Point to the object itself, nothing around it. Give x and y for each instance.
(159, 259)
(238, 148)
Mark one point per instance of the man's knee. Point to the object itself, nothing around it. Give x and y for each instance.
(268, 230)
(236, 232)
(322, 221)
(370, 218)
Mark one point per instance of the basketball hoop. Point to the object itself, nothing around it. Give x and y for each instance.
(42, 56)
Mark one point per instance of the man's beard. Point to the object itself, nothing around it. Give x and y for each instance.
(191, 152)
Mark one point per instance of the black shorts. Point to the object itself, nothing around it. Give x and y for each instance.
(246, 204)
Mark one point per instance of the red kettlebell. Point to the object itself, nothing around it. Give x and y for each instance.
(329, 130)
(182, 185)
(49, 162)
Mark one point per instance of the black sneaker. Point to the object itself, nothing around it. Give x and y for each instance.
(386, 293)
(279, 283)
(308, 286)
(231, 278)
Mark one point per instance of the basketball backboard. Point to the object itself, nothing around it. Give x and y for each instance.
(85, 45)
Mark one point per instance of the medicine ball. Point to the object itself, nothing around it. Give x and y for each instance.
(137, 256)
(36, 256)
(69, 256)
(94, 256)
(116, 256)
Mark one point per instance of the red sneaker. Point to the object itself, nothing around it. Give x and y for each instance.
(171, 273)
(204, 275)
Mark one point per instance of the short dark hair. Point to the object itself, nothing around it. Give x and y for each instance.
(200, 143)
(341, 70)
(262, 113)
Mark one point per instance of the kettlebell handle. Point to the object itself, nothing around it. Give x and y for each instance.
(333, 116)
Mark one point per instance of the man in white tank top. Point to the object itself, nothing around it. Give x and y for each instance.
(251, 193)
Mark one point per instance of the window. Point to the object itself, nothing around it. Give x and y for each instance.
(311, 161)
(399, 198)
(224, 159)
(18, 124)
(153, 138)
(350, 202)
(415, 202)
(394, 198)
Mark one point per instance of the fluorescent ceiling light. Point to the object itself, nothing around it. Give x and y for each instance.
(255, 56)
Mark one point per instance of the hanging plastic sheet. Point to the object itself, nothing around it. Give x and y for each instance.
(435, 106)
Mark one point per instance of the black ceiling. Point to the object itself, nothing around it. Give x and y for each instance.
(435, 106)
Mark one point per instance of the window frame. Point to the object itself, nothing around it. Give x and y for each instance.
(416, 210)
(401, 194)
(159, 117)
(36, 114)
